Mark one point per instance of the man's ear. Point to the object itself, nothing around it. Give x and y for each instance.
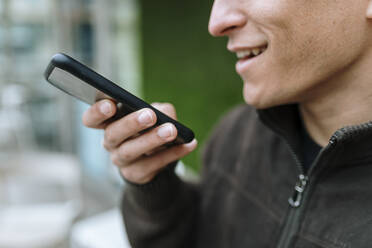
(369, 10)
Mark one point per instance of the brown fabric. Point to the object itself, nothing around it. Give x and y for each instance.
(249, 172)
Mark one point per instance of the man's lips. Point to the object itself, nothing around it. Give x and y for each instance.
(248, 56)
(250, 52)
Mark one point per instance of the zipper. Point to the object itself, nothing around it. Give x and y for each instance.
(306, 181)
(296, 201)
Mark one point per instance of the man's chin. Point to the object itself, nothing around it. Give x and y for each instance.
(258, 105)
(256, 100)
(269, 102)
(263, 99)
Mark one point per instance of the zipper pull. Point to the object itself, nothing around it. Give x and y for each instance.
(295, 200)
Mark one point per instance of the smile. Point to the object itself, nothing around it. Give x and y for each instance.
(248, 57)
(251, 53)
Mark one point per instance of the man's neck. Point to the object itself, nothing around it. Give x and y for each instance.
(342, 101)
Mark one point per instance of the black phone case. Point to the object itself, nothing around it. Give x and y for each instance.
(130, 102)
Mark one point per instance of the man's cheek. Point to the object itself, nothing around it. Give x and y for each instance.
(273, 10)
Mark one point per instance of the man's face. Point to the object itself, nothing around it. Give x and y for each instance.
(304, 44)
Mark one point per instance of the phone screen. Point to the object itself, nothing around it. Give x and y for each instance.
(75, 86)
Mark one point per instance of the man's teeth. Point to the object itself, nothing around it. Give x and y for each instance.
(256, 51)
(250, 52)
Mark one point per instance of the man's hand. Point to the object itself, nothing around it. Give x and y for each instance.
(139, 156)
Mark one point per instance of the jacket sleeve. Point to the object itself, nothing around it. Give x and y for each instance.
(161, 213)
(165, 212)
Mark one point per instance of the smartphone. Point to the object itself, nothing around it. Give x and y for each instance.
(81, 82)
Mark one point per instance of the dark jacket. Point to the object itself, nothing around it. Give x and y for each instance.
(250, 171)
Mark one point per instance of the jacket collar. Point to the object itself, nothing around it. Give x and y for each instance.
(350, 143)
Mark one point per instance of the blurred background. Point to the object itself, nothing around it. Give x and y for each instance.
(57, 185)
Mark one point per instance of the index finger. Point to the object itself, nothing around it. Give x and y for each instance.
(98, 113)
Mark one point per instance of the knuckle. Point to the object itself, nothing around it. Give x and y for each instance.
(147, 179)
(105, 145)
(126, 172)
(133, 174)
(115, 159)
(131, 123)
(109, 138)
(153, 140)
(125, 155)
(128, 125)
(86, 119)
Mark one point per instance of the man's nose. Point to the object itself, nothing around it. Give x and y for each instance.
(225, 17)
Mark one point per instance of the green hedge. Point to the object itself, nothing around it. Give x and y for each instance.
(184, 65)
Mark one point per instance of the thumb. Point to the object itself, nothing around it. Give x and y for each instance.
(166, 108)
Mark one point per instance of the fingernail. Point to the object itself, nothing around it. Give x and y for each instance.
(165, 131)
(145, 117)
(192, 143)
(105, 108)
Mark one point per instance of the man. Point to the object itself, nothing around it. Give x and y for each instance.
(306, 67)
